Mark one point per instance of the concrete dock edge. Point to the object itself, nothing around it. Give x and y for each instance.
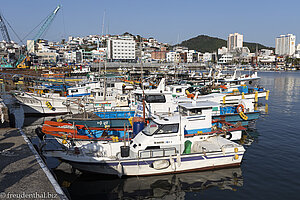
(49, 175)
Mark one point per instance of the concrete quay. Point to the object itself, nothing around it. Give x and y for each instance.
(23, 174)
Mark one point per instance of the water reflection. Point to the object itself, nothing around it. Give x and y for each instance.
(287, 86)
(174, 186)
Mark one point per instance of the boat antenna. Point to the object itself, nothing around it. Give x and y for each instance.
(105, 80)
(142, 78)
(103, 22)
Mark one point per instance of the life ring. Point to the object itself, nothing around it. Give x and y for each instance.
(241, 111)
(240, 108)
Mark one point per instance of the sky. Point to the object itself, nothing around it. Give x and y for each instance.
(169, 21)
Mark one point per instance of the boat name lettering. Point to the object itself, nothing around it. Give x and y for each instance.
(103, 123)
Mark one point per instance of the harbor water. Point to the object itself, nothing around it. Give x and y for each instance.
(269, 170)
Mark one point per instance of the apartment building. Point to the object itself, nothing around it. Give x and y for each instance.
(235, 40)
(285, 45)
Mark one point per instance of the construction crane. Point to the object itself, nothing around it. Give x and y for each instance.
(21, 63)
(4, 31)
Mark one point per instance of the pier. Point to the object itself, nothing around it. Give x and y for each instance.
(23, 174)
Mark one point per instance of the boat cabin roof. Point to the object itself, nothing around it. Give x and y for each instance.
(198, 104)
(151, 92)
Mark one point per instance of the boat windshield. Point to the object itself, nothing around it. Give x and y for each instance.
(154, 128)
(151, 128)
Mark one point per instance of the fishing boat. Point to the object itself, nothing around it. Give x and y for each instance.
(45, 103)
(69, 131)
(102, 119)
(160, 101)
(169, 144)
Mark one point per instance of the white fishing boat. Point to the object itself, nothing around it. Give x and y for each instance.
(47, 103)
(169, 144)
(102, 93)
(164, 101)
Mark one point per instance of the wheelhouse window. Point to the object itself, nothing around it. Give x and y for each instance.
(197, 111)
(150, 129)
(168, 128)
(73, 91)
(154, 128)
(138, 97)
(155, 98)
(110, 85)
(178, 90)
(183, 111)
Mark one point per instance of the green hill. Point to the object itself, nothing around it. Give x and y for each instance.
(204, 43)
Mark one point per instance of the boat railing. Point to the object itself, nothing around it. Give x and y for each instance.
(150, 153)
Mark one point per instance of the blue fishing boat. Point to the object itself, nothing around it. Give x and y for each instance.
(233, 115)
(103, 119)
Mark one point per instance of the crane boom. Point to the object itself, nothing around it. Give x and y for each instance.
(41, 31)
(4, 30)
(46, 23)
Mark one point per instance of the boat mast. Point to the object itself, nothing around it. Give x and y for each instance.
(105, 58)
(142, 78)
(105, 80)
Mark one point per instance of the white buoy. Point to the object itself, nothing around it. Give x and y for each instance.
(178, 160)
(172, 163)
(119, 169)
(161, 164)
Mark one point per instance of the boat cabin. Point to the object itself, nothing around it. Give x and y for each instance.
(155, 101)
(196, 116)
(178, 90)
(172, 130)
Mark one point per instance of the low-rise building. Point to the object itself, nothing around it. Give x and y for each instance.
(171, 56)
(222, 50)
(159, 55)
(226, 59)
(99, 55)
(267, 60)
(207, 57)
(266, 52)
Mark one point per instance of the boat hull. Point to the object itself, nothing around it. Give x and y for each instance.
(102, 123)
(234, 118)
(35, 105)
(234, 99)
(142, 167)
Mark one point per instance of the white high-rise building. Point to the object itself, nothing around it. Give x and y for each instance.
(285, 45)
(121, 49)
(235, 40)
